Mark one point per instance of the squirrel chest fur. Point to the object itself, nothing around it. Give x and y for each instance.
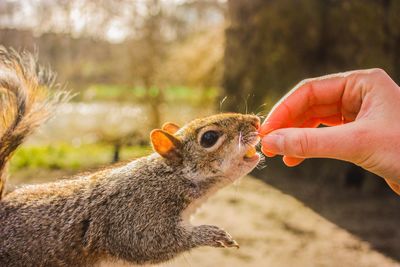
(135, 213)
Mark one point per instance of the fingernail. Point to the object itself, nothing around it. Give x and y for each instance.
(273, 143)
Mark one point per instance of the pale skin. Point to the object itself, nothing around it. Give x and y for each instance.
(363, 108)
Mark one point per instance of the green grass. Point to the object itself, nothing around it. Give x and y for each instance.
(65, 156)
(105, 92)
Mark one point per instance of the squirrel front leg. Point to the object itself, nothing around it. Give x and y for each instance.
(208, 235)
(213, 236)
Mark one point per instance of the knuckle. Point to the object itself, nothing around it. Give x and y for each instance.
(298, 145)
(378, 72)
(374, 74)
(303, 83)
(368, 74)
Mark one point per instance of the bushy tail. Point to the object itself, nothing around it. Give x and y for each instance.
(26, 101)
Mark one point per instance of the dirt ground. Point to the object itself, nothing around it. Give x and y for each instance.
(274, 229)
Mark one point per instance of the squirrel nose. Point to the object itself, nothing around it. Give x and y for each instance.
(255, 121)
(256, 124)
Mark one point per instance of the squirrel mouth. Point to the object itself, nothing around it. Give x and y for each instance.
(251, 154)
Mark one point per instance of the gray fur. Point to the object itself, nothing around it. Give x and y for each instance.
(135, 212)
(135, 217)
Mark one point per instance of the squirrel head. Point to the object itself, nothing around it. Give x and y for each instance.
(222, 145)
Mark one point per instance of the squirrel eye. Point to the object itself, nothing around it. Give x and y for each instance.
(209, 138)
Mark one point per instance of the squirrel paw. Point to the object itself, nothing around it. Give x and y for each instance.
(216, 237)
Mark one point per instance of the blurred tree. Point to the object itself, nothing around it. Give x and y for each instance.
(148, 52)
(158, 31)
(198, 61)
(266, 44)
(73, 37)
(271, 45)
(166, 44)
(392, 28)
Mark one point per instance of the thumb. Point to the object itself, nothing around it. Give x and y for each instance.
(339, 142)
(395, 187)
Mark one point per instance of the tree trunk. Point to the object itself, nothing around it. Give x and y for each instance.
(116, 154)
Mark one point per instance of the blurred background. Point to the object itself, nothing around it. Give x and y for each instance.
(136, 64)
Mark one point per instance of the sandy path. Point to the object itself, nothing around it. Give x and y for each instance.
(274, 229)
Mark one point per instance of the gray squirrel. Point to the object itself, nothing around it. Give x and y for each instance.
(136, 213)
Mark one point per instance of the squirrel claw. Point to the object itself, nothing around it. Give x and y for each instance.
(222, 245)
(232, 244)
(227, 242)
(215, 237)
(235, 244)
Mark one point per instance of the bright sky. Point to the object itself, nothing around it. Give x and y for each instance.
(82, 14)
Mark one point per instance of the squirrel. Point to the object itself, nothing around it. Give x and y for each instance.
(138, 212)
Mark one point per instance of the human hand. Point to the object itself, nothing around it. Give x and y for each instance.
(364, 108)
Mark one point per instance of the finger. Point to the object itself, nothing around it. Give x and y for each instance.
(269, 126)
(311, 123)
(338, 142)
(394, 186)
(325, 93)
(292, 161)
(328, 121)
(333, 120)
(267, 153)
(313, 119)
(319, 112)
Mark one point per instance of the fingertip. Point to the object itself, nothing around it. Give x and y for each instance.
(267, 153)
(270, 155)
(264, 130)
(269, 126)
(264, 142)
(273, 143)
(394, 186)
(292, 161)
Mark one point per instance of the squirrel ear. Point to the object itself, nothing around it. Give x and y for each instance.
(170, 127)
(164, 143)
